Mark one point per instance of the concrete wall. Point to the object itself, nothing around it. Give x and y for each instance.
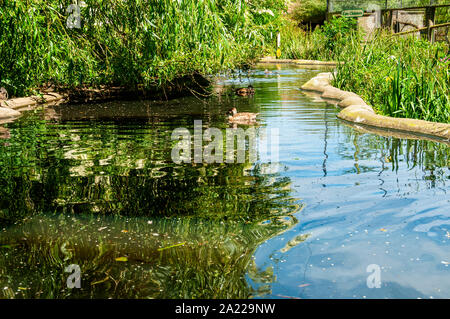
(407, 20)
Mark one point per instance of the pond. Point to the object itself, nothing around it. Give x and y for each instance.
(341, 213)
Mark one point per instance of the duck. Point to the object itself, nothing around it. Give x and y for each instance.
(245, 91)
(3, 94)
(242, 117)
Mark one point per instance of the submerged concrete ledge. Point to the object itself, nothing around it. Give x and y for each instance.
(394, 133)
(22, 102)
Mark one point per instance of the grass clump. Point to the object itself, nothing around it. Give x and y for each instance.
(322, 44)
(309, 11)
(399, 76)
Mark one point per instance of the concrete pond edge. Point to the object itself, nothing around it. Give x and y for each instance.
(356, 110)
(298, 62)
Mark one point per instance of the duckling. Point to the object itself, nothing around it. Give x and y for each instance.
(245, 91)
(241, 118)
(3, 94)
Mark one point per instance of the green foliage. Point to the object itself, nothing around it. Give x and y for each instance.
(337, 30)
(298, 44)
(442, 15)
(322, 44)
(309, 11)
(128, 42)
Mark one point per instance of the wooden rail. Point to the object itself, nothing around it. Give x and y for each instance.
(401, 9)
(423, 29)
(421, 7)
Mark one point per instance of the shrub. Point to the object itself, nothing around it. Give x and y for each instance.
(128, 42)
(309, 11)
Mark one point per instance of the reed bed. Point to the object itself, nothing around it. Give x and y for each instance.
(399, 76)
(134, 257)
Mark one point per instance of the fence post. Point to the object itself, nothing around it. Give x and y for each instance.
(327, 15)
(429, 22)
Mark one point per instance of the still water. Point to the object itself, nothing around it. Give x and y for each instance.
(95, 186)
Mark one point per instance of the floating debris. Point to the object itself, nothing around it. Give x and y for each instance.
(176, 245)
(121, 259)
(100, 281)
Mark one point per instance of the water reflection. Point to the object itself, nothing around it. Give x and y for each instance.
(383, 201)
(95, 185)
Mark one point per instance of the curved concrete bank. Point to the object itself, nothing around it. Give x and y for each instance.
(357, 111)
(394, 133)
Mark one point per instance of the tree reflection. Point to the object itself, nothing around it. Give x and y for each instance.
(431, 157)
(88, 193)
